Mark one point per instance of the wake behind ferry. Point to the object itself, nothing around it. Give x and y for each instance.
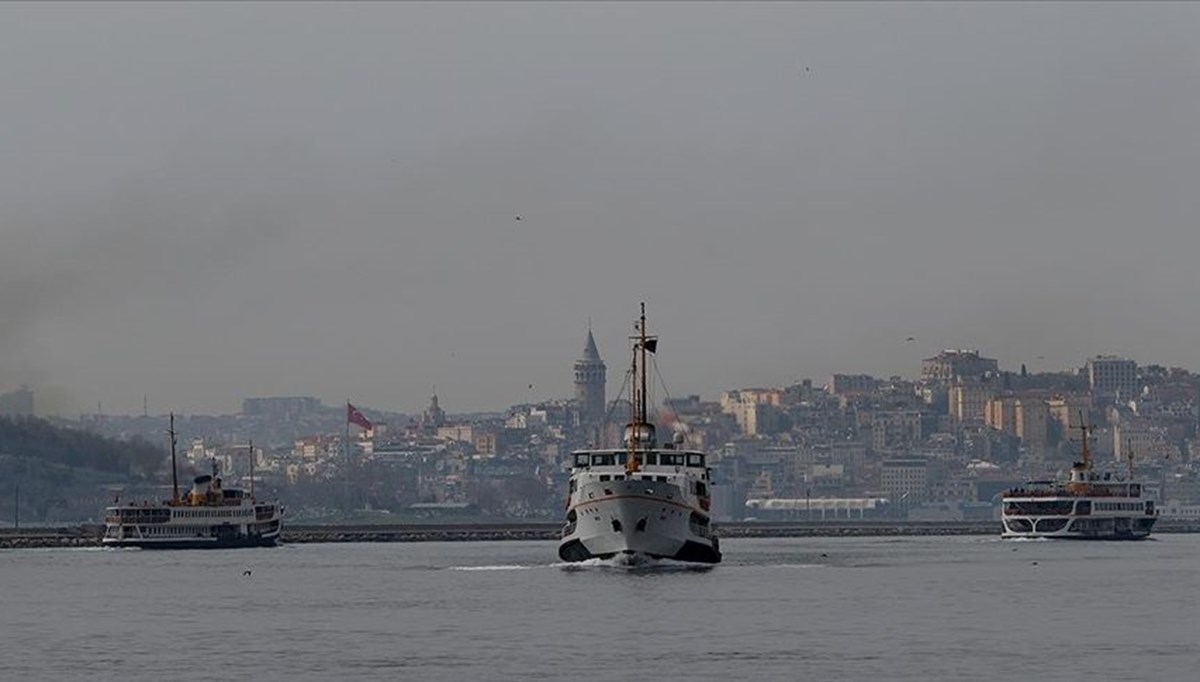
(643, 500)
(209, 516)
(1088, 506)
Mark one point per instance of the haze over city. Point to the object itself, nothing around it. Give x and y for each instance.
(200, 203)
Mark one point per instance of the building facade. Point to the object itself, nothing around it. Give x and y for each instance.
(1110, 374)
(969, 399)
(905, 479)
(951, 363)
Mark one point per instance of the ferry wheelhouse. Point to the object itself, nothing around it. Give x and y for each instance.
(209, 516)
(645, 499)
(1089, 506)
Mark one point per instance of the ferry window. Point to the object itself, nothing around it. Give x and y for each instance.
(695, 460)
(619, 477)
(582, 459)
(605, 477)
(623, 458)
(662, 479)
(1059, 508)
(651, 458)
(602, 460)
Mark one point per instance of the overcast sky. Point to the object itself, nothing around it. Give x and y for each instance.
(206, 202)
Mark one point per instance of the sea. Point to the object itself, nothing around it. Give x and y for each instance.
(896, 608)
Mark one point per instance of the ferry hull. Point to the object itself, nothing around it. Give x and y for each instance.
(636, 518)
(692, 551)
(1087, 528)
(198, 543)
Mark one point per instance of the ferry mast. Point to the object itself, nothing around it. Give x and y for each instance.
(174, 473)
(639, 429)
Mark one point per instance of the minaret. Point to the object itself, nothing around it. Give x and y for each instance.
(590, 375)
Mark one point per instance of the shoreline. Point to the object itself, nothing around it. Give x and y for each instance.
(89, 535)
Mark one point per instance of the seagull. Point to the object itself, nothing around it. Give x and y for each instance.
(911, 338)
(518, 217)
(246, 572)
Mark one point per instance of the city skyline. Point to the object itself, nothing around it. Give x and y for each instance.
(37, 403)
(203, 203)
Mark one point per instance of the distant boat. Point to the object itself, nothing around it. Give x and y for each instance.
(643, 500)
(209, 516)
(1089, 506)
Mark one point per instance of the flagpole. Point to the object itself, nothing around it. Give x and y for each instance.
(346, 476)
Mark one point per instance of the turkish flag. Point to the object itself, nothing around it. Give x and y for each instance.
(353, 416)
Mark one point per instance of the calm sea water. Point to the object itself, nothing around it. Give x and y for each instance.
(937, 608)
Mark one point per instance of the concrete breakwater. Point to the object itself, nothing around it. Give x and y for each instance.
(89, 535)
(550, 531)
(73, 536)
(422, 532)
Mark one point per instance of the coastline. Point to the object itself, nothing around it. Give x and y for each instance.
(89, 535)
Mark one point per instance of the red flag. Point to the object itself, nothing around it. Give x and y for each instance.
(353, 416)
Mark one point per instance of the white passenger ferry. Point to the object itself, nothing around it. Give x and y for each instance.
(1089, 506)
(643, 500)
(210, 515)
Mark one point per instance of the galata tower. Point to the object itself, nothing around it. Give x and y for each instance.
(590, 374)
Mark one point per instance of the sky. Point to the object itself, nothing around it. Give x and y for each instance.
(201, 203)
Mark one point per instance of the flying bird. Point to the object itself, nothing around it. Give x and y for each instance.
(246, 572)
(518, 218)
(911, 338)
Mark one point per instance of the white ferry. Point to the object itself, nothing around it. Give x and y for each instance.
(1088, 506)
(644, 500)
(209, 516)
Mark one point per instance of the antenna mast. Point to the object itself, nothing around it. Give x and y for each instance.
(1085, 453)
(640, 433)
(642, 347)
(251, 446)
(174, 473)
(633, 431)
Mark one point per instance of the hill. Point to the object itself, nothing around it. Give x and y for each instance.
(63, 473)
